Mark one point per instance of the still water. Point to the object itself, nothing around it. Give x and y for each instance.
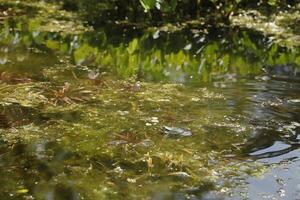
(129, 113)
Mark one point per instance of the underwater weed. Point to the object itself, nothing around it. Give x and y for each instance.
(5, 77)
(67, 95)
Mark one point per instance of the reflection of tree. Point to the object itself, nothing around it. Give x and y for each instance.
(178, 55)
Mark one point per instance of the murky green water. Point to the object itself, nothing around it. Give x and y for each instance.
(84, 113)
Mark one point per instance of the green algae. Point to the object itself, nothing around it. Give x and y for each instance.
(107, 142)
(92, 136)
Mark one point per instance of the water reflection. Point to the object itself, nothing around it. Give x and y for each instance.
(274, 119)
(186, 56)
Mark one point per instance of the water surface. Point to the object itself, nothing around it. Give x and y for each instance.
(83, 111)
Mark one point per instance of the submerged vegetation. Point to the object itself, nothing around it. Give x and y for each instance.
(156, 100)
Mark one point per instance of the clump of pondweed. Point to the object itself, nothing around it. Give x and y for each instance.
(3, 89)
(14, 114)
(67, 95)
(128, 137)
(5, 77)
(4, 123)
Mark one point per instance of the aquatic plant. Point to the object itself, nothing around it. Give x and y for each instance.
(3, 121)
(67, 94)
(75, 140)
(11, 79)
(129, 137)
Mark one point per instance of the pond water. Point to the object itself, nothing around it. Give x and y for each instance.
(123, 112)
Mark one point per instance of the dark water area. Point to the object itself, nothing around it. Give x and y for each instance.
(104, 113)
